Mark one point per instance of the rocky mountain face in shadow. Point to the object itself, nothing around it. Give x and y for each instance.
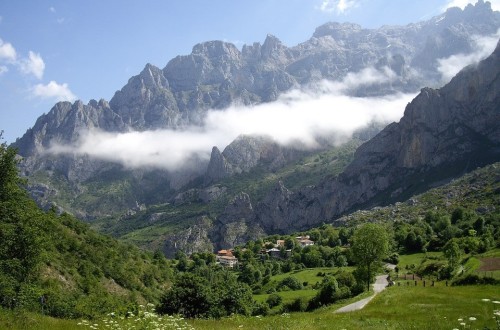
(217, 74)
(443, 134)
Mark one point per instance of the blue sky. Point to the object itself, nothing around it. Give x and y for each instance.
(67, 50)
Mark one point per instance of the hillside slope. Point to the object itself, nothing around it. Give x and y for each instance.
(57, 263)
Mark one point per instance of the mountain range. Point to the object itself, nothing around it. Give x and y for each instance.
(444, 133)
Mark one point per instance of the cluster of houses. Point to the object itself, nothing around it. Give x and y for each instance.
(227, 259)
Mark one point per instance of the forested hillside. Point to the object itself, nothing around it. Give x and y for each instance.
(58, 265)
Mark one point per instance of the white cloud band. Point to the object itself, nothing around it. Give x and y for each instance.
(299, 117)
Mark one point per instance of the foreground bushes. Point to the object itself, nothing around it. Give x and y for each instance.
(213, 296)
(473, 279)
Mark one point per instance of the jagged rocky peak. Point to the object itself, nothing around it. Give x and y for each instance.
(271, 44)
(275, 52)
(139, 88)
(64, 123)
(339, 31)
(251, 53)
(246, 151)
(152, 77)
(210, 63)
(218, 167)
(215, 49)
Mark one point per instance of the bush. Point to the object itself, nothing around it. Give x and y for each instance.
(327, 293)
(393, 258)
(260, 309)
(346, 279)
(298, 305)
(289, 282)
(473, 279)
(274, 300)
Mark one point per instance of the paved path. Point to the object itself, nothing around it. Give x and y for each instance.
(380, 284)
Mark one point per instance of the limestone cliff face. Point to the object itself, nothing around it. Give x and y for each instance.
(443, 133)
(246, 153)
(190, 240)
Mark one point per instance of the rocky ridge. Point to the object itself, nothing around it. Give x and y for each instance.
(217, 74)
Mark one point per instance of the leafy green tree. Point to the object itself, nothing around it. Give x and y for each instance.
(290, 243)
(452, 253)
(195, 296)
(370, 245)
(327, 293)
(189, 296)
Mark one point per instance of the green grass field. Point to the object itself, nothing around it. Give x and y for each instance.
(395, 308)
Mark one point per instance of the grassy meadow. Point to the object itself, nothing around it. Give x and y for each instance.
(399, 307)
(438, 307)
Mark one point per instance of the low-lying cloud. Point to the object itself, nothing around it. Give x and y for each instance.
(298, 117)
(484, 46)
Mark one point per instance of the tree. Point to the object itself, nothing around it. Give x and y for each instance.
(370, 245)
(188, 296)
(196, 296)
(453, 253)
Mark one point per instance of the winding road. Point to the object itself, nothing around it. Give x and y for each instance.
(379, 285)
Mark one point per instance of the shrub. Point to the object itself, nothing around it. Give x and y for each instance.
(298, 305)
(274, 300)
(260, 308)
(393, 258)
(473, 279)
(289, 282)
(346, 279)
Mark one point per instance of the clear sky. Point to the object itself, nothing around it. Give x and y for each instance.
(54, 50)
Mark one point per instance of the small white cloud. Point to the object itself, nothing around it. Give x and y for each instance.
(495, 4)
(338, 6)
(53, 90)
(34, 65)
(3, 69)
(52, 9)
(7, 51)
(450, 66)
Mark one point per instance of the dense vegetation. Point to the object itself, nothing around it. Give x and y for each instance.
(59, 266)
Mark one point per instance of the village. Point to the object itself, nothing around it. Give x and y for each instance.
(278, 250)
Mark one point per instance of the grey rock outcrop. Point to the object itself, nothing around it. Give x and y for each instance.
(247, 152)
(443, 133)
